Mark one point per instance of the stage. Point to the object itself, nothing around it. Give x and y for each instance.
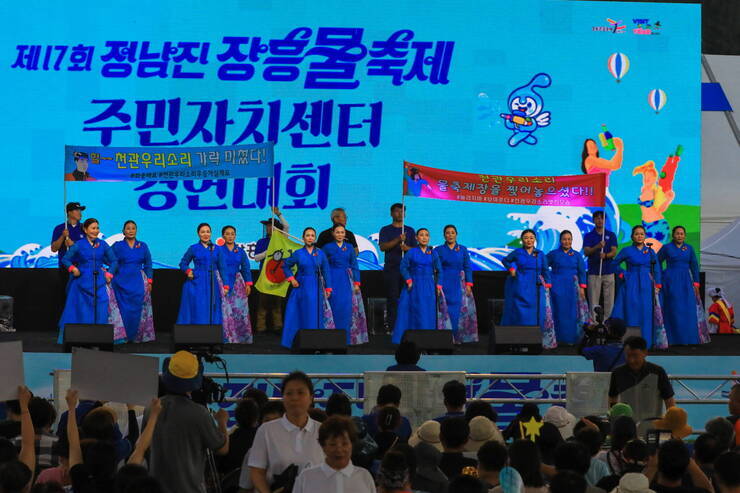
(269, 343)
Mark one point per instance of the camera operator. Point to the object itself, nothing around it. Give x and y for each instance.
(185, 431)
(602, 342)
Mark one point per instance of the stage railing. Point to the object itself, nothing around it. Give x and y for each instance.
(551, 391)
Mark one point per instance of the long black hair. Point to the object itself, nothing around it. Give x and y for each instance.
(584, 154)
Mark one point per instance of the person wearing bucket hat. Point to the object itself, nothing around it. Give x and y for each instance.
(482, 430)
(560, 417)
(675, 420)
(428, 433)
(633, 482)
(185, 430)
(620, 409)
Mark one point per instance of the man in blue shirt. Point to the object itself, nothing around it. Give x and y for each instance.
(65, 235)
(601, 267)
(395, 239)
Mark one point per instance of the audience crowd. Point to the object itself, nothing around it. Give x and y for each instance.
(293, 445)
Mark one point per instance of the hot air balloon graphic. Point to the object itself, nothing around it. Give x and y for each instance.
(618, 65)
(657, 99)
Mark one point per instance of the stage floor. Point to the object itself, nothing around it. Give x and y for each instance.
(269, 343)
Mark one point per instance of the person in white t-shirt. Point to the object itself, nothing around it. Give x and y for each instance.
(337, 474)
(290, 440)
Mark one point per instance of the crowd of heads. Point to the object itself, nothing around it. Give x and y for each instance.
(463, 450)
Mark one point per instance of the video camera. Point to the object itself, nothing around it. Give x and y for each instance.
(210, 391)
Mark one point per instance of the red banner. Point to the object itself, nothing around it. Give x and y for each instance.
(573, 190)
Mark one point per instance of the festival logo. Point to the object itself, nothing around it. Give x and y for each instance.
(526, 115)
(645, 27)
(612, 26)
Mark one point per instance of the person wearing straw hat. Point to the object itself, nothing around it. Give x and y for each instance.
(427, 433)
(674, 420)
(562, 419)
(633, 482)
(482, 430)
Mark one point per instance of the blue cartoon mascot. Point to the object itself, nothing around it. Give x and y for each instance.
(526, 111)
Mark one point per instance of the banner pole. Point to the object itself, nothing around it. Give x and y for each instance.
(272, 199)
(603, 234)
(64, 197)
(403, 215)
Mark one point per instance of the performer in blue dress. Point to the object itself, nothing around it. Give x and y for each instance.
(235, 286)
(307, 306)
(528, 284)
(133, 285)
(569, 307)
(417, 306)
(85, 260)
(201, 301)
(346, 299)
(637, 302)
(681, 290)
(457, 285)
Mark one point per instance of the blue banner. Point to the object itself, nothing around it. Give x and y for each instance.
(89, 163)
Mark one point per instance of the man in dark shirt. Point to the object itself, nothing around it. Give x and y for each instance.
(455, 396)
(338, 216)
(407, 357)
(388, 395)
(600, 253)
(65, 235)
(395, 239)
(727, 468)
(453, 433)
(734, 404)
(638, 374)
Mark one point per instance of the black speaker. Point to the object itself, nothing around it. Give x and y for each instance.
(92, 336)
(517, 339)
(631, 331)
(197, 337)
(315, 341)
(431, 341)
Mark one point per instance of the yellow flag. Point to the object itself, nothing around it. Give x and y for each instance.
(272, 278)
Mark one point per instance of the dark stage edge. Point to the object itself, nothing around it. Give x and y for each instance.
(269, 343)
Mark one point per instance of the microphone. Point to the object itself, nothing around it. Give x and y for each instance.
(210, 245)
(649, 244)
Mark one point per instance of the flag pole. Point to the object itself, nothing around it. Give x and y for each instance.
(403, 207)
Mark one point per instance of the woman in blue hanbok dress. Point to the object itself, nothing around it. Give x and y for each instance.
(683, 312)
(308, 305)
(568, 275)
(87, 290)
(457, 286)
(637, 301)
(132, 286)
(201, 301)
(418, 304)
(235, 288)
(527, 289)
(346, 298)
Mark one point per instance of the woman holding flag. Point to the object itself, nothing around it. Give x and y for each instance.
(200, 303)
(569, 307)
(418, 304)
(235, 288)
(133, 287)
(346, 298)
(527, 289)
(457, 284)
(638, 303)
(685, 322)
(308, 306)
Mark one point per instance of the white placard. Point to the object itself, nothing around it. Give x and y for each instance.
(105, 376)
(11, 369)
